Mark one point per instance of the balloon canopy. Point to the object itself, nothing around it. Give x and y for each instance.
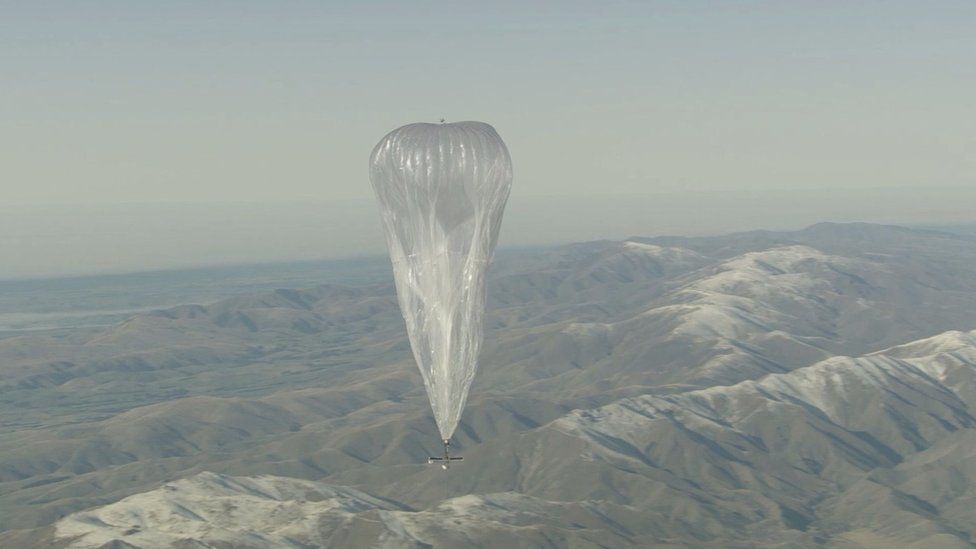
(442, 189)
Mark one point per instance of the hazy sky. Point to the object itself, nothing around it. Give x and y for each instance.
(623, 118)
(107, 102)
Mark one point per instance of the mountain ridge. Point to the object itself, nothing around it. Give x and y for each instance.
(666, 336)
(610, 434)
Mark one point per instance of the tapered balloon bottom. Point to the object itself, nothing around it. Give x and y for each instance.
(445, 461)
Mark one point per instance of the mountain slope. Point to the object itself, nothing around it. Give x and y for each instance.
(717, 403)
(213, 510)
(793, 459)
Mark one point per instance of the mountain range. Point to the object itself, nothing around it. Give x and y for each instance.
(814, 388)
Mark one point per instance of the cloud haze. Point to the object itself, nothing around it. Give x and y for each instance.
(58, 240)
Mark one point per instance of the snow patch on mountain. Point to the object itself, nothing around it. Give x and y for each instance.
(262, 511)
(210, 510)
(834, 387)
(668, 254)
(954, 340)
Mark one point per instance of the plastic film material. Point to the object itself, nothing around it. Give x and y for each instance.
(442, 190)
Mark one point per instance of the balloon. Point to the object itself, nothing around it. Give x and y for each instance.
(442, 190)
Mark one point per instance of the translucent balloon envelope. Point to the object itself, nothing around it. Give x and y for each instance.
(442, 189)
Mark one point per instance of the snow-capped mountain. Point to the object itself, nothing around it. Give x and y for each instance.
(810, 388)
(778, 453)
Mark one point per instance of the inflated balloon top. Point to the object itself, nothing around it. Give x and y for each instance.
(442, 189)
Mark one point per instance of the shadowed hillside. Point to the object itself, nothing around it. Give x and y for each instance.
(767, 389)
